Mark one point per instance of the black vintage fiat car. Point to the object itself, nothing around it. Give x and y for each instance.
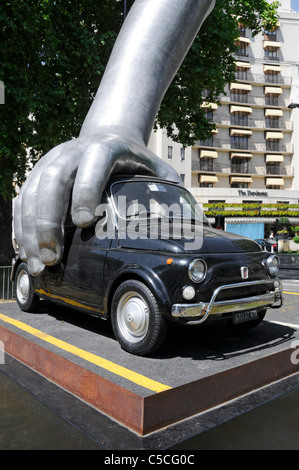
(152, 258)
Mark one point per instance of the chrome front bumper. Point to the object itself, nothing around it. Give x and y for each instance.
(198, 313)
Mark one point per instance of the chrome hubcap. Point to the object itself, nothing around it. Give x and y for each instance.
(133, 317)
(23, 286)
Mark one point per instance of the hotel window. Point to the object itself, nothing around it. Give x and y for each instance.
(241, 74)
(208, 142)
(242, 49)
(209, 114)
(242, 30)
(239, 185)
(206, 164)
(271, 53)
(239, 119)
(271, 35)
(182, 175)
(271, 76)
(273, 168)
(170, 148)
(272, 100)
(240, 165)
(183, 153)
(239, 142)
(240, 96)
(272, 122)
(272, 145)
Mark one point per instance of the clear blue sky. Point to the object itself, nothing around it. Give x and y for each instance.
(295, 5)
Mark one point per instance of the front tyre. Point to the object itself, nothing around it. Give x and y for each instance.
(26, 298)
(136, 320)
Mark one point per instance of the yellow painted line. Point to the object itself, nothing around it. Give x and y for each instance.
(291, 293)
(66, 300)
(97, 360)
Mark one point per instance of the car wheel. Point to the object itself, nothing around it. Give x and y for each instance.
(26, 298)
(136, 320)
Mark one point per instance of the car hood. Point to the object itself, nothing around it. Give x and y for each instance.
(209, 241)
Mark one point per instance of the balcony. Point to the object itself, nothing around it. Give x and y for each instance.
(225, 144)
(275, 79)
(249, 98)
(245, 121)
(245, 169)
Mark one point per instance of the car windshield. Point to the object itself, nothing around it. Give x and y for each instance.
(150, 199)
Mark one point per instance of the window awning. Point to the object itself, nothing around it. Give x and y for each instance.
(274, 182)
(274, 44)
(243, 65)
(273, 90)
(274, 158)
(244, 40)
(272, 68)
(240, 132)
(273, 112)
(241, 179)
(209, 105)
(241, 155)
(241, 109)
(274, 135)
(208, 179)
(208, 154)
(240, 86)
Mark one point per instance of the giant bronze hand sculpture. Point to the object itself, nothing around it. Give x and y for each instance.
(150, 48)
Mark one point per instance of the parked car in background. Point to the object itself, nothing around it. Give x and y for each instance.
(140, 267)
(266, 245)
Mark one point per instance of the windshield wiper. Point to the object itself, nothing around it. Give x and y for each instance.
(147, 214)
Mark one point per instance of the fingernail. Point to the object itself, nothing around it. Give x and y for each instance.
(48, 257)
(22, 254)
(35, 267)
(83, 217)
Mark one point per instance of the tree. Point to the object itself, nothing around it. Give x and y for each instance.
(54, 53)
(52, 58)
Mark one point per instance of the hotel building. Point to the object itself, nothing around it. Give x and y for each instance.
(253, 154)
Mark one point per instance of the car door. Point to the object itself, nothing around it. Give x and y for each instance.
(85, 263)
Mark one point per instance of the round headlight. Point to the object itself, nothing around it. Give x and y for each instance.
(197, 270)
(188, 292)
(273, 265)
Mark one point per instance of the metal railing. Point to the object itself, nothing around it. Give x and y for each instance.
(250, 169)
(7, 293)
(236, 144)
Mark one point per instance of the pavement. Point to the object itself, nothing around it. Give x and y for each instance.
(188, 355)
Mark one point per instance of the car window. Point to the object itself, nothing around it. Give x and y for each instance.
(146, 199)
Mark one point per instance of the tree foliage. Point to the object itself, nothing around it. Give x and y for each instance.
(52, 57)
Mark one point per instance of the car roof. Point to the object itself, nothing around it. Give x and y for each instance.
(128, 177)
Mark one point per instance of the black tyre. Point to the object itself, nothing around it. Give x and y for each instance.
(136, 320)
(27, 300)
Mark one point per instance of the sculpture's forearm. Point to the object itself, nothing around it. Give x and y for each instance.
(153, 42)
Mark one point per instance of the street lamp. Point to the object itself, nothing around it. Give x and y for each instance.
(293, 105)
(125, 9)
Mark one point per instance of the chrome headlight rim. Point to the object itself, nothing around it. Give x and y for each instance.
(191, 267)
(272, 269)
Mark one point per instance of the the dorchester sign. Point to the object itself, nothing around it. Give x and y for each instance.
(252, 193)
